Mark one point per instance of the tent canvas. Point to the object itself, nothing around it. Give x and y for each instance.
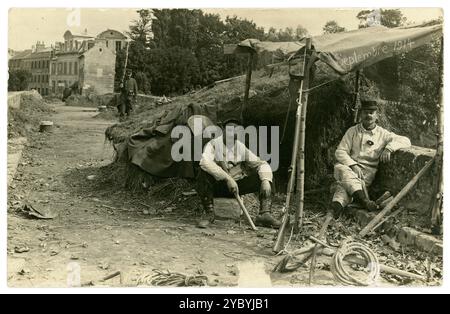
(348, 51)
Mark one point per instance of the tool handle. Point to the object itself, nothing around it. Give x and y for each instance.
(247, 215)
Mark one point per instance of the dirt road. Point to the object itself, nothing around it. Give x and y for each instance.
(102, 228)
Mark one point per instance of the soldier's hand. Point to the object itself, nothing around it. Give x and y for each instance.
(357, 169)
(266, 189)
(385, 155)
(121, 85)
(232, 186)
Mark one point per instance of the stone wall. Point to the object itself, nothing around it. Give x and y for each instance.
(404, 165)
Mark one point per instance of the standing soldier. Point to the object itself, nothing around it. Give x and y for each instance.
(129, 90)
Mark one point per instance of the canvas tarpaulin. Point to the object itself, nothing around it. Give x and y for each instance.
(150, 149)
(349, 51)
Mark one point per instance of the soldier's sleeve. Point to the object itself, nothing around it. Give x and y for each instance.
(343, 151)
(395, 142)
(254, 162)
(208, 164)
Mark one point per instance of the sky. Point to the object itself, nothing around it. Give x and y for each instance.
(27, 25)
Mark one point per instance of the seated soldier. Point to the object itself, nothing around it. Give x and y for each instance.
(228, 167)
(358, 154)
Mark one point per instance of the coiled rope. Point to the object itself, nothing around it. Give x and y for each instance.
(352, 248)
(167, 278)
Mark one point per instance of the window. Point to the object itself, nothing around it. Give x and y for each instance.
(59, 67)
(70, 68)
(39, 64)
(107, 44)
(118, 45)
(54, 86)
(75, 68)
(53, 68)
(65, 68)
(39, 78)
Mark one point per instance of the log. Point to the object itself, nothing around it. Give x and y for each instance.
(367, 229)
(383, 197)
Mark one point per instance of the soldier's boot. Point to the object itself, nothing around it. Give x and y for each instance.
(337, 209)
(265, 218)
(360, 197)
(207, 216)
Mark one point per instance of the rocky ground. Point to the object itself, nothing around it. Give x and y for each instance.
(101, 228)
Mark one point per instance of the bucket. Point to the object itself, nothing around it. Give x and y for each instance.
(45, 126)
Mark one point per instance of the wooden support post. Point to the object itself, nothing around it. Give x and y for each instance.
(367, 229)
(300, 186)
(279, 242)
(438, 191)
(248, 80)
(356, 100)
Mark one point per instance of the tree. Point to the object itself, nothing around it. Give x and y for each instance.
(18, 80)
(389, 17)
(300, 32)
(141, 29)
(238, 29)
(332, 27)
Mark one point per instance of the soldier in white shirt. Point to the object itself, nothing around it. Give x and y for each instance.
(227, 167)
(358, 155)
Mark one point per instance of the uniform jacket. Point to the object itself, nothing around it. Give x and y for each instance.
(363, 147)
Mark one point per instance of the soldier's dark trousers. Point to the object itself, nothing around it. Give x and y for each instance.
(208, 188)
(126, 105)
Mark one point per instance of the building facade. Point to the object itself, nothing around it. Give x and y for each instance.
(97, 70)
(112, 39)
(82, 62)
(37, 62)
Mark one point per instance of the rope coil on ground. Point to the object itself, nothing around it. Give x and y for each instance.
(349, 248)
(167, 278)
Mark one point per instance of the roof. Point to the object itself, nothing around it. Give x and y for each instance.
(21, 55)
(350, 51)
(111, 33)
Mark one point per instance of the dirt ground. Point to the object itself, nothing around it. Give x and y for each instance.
(102, 228)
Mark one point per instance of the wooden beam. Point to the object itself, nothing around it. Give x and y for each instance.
(367, 229)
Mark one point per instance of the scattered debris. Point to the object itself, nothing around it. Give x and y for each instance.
(111, 276)
(91, 177)
(39, 212)
(21, 249)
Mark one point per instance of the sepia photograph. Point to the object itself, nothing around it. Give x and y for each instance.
(225, 148)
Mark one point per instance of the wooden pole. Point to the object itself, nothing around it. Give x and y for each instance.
(125, 64)
(300, 186)
(248, 81)
(396, 199)
(322, 235)
(279, 242)
(244, 209)
(438, 191)
(356, 100)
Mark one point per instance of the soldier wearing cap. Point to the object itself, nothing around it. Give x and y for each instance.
(358, 155)
(228, 167)
(129, 90)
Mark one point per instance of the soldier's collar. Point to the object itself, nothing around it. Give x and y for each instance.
(362, 129)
